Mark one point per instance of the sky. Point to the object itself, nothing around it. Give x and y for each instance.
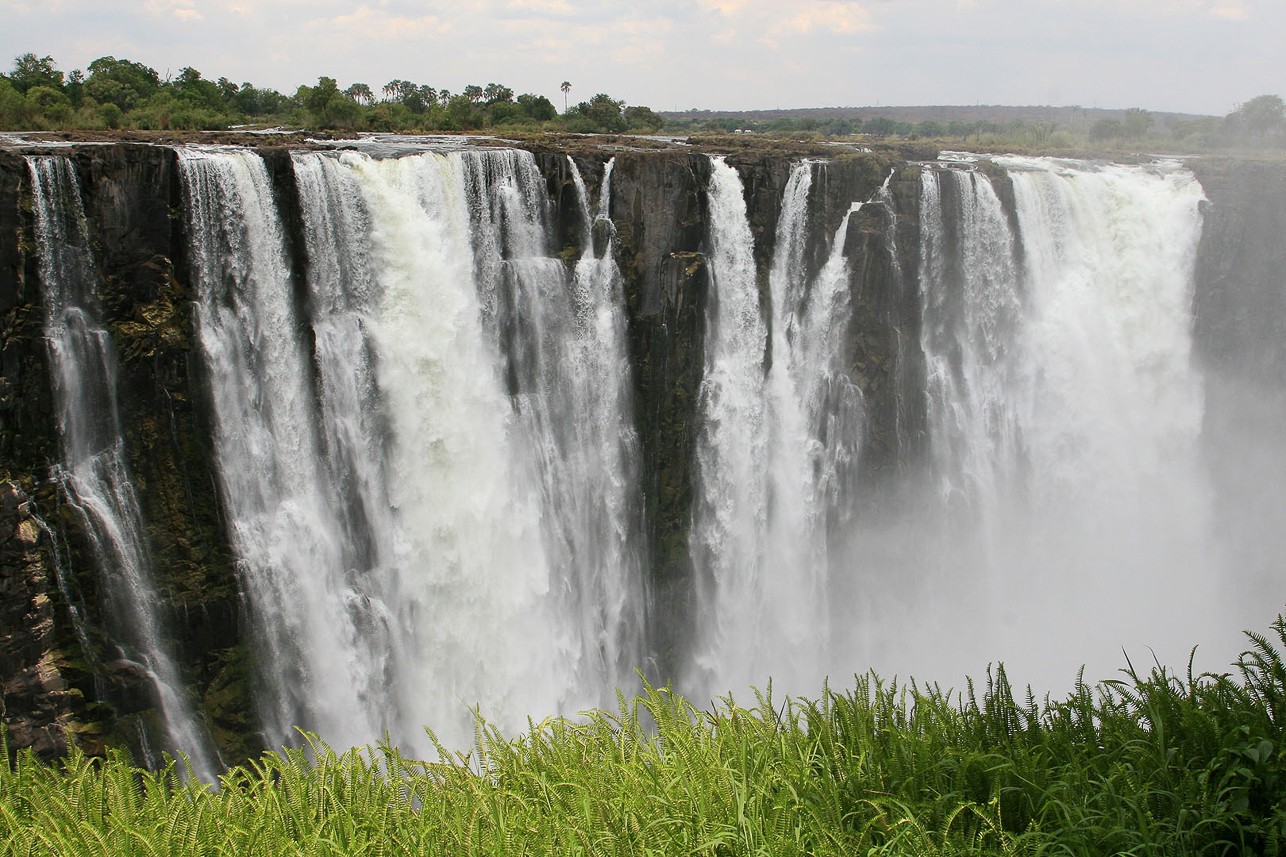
(1188, 56)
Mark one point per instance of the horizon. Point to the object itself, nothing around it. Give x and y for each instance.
(982, 106)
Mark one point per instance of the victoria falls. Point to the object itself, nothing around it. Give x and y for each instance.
(360, 439)
(725, 428)
(369, 442)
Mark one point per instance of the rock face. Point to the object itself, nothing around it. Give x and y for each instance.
(1240, 341)
(130, 194)
(1241, 268)
(37, 704)
(62, 679)
(658, 205)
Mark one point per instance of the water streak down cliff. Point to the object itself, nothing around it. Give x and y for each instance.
(500, 428)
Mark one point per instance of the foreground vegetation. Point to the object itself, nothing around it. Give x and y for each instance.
(1154, 764)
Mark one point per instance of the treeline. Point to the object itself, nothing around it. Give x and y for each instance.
(121, 94)
(1260, 122)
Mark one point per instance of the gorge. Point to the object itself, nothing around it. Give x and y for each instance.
(357, 440)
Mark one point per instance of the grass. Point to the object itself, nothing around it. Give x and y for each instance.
(1150, 764)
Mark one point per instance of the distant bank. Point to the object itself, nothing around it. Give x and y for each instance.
(1068, 116)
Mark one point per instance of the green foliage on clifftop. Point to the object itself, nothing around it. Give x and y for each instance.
(122, 94)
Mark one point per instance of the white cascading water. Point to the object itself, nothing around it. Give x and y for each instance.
(778, 449)
(448, 521)
(475, 583)
(971, 297)
(1071, 508)
(93, 470)
(731, 514)
(308, 609)
(601, 464)
(431, 475)
(563, 347)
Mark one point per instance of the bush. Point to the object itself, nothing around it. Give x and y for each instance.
(13, 108)
(111, 115)
(1105, 130)
(50, 104)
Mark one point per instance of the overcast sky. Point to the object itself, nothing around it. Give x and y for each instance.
(1193, 56)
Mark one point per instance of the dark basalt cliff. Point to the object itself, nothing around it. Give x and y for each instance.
(1240, 341)
(61, 674)
(1241, 268)
(132, 205)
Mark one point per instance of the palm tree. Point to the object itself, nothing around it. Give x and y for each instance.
(566, 88)
(360, 92)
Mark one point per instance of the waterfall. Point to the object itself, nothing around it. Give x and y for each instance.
(421, 407)
(93, 471)
(731, 514)
(435, 510)
(778, 449)
(1069, 510)
(309, 608)
(475, 617)
(972, 305)
(1064, 484)
(599, 472)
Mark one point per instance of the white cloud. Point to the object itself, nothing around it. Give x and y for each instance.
(829, 16)
(727, 8)
(544, 7)
(1230, 11)
(378, 25)
(1233, 10)
(184, 10)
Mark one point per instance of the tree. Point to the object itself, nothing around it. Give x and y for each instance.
(360, 93)
(642, 119)
(462, 112)
(566, 87)
(602, 113)
(421, 99)
(13, 107)
(881, 126)
(257, 102)
(473, 93)
(30, 71)
(417, 99)
(111, 115)
(121, 82)
(1137, 122)
(227, 89)
(194, 89)
(538, 107)
(495, 92)
(48, 102)
(1262, 116)
(321, 100)
(75, 86)
(1106, 129)
(929, 128)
